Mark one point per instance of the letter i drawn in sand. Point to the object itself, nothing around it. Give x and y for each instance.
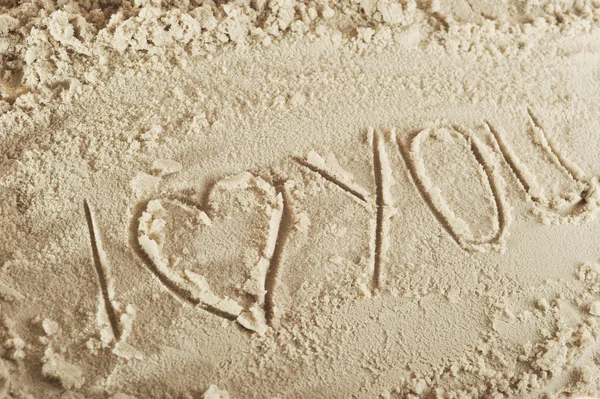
(109, 306)
(103, 271)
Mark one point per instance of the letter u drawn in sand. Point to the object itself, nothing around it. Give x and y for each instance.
(575, 207)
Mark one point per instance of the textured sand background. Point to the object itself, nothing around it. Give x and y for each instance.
(281, 199)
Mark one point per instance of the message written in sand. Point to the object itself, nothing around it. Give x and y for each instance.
(254, 214)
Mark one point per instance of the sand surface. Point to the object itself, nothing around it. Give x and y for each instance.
(299, 199)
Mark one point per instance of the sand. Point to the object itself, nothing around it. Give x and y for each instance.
(299, 199)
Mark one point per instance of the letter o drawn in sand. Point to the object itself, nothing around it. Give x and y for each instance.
(459, 229)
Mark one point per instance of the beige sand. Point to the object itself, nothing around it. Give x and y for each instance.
(296, 199)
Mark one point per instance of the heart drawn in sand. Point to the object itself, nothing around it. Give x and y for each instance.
(217, 258)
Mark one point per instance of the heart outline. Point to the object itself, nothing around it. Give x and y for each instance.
(193, 286)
